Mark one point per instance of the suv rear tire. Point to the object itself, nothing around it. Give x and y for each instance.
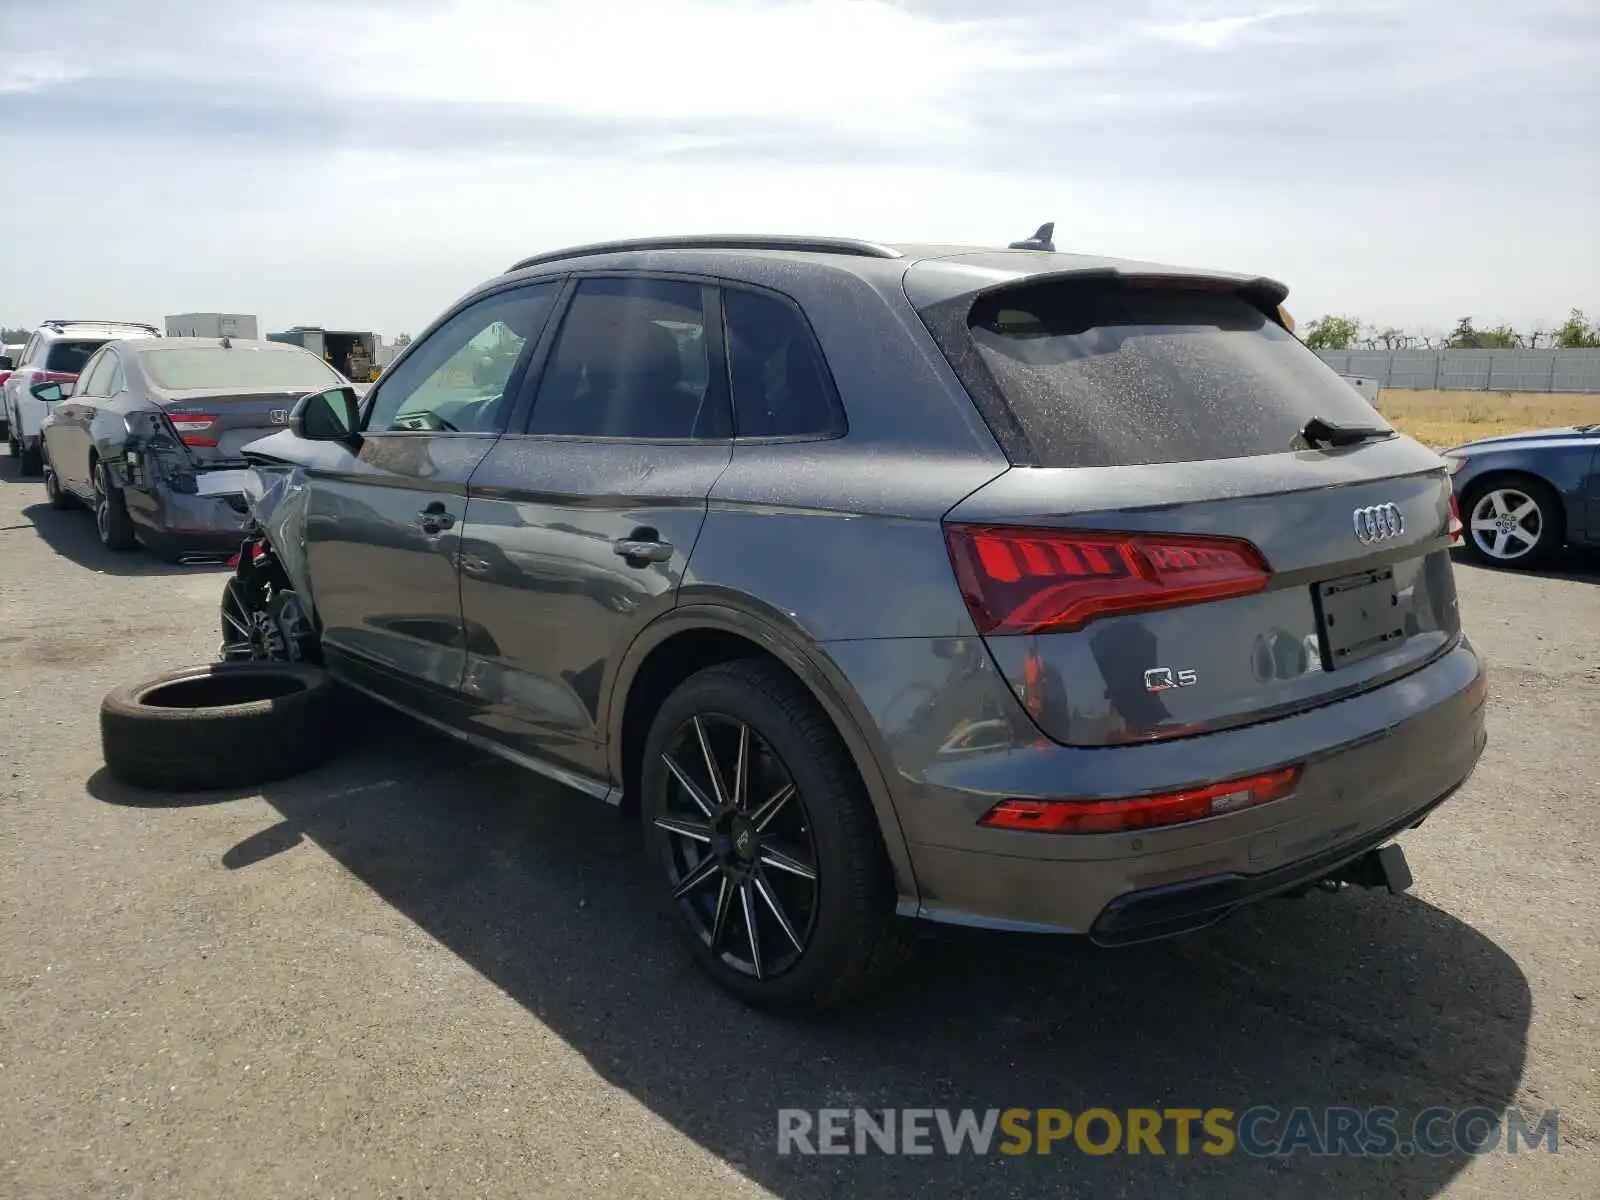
(732, 852)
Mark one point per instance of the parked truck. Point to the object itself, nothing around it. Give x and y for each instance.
(234, 325)
(351, 353)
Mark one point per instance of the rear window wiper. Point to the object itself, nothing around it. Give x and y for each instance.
(1321, 432)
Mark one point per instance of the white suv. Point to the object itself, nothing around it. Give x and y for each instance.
(54, 354)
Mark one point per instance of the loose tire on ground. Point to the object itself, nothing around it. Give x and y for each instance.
(221, 725)
(854, 941)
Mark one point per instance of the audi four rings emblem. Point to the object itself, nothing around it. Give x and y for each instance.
(1378, 523)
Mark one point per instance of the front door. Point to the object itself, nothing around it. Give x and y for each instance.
(580, 525)
(383, 526)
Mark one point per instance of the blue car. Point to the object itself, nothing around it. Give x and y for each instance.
(1525, 496)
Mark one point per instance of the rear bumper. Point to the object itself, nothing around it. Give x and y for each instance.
(180, 521)
(1375, 764)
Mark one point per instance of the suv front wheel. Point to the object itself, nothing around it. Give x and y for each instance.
(764, 843)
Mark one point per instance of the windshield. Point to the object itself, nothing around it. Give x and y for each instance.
(1104, 375)
(69, 357)
(191, 368)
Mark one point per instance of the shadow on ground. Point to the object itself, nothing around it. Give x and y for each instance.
(1580, 564)
(1355, 1000)
(70, 533)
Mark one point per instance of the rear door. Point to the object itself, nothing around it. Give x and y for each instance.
(68, 436)
(1165, 559)
(383, 527)
(581, 524)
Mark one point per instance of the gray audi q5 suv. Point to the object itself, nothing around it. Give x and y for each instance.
(1002, 588)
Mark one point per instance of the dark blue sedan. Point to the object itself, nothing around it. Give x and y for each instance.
(1524, 496)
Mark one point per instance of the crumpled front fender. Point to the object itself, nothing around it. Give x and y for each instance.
(277, 495)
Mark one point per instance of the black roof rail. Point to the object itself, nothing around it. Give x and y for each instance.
(804, 245)
(58, 322)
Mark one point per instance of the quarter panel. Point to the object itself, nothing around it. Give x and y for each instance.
(1567, 465)
(842, 537)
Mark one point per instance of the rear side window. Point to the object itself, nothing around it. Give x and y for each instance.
(780, 386)
(70, 356)
(631, 361)
(1094, 375)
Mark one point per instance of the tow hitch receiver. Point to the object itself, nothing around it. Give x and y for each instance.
(1384, 867)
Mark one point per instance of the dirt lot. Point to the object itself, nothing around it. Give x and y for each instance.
(420, 973)
(1444, 419)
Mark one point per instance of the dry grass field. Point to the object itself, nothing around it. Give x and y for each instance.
(1444, 419)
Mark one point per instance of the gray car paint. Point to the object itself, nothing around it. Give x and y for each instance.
(829, 555)
(82, 429)
(1568, 459)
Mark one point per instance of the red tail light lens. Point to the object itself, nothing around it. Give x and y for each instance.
(1036, 580)
(1142, 812)
(192, 429)
(55, 377)
(1456, 527)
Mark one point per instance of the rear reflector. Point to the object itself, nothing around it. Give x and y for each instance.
(191, 427)
(1142, 812)
(1037, 580)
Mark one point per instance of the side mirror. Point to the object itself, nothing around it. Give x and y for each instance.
(50, 393)
(330, 416)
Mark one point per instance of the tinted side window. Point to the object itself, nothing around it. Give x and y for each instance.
(70, 356)
(455, 379)
(631, 361)
(96, 375)
(780, 386)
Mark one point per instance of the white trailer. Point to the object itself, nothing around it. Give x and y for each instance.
(1367, 387)
(212, 325)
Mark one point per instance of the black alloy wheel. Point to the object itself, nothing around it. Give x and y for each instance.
(771, 863)
(742, 862)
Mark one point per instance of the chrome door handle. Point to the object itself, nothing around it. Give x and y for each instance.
(642, 549)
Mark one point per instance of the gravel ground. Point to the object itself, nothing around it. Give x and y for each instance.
(420, 972)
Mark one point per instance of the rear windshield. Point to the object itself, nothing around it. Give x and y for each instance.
(69, 357)
(1107, 375)
(195, 367)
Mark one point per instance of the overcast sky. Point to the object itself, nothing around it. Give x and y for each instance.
(362, 164)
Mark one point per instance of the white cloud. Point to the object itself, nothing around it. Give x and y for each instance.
(1214, 33)
(265, 161)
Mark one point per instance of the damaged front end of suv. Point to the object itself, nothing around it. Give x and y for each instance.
(267, 613)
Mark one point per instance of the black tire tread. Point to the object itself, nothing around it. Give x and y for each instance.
(120, 535)
(879, 942)
(202, 749)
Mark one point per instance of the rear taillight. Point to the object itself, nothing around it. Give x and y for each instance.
(1036, 580)
(1456, 527)
(192, 429)
(54, 377)
(1142, 812)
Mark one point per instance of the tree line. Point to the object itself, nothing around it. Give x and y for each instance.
(1577, 332)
